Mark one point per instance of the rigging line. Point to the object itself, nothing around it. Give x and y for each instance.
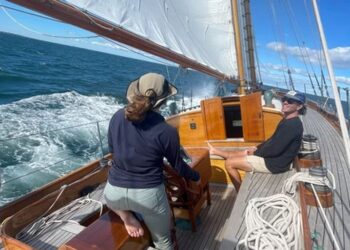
(292, 19)
(40, 224)
(279, 32)
(256, 55)
(272, 8)
(32, 14)
(167, 71)
(335, 241)
(312, 85)
(319, 54)
(53, 130)
(153, 58)
(40, 33)
(89, 16)
(324, 82)
(37, 170)
(302, 49)
(177, 73)
(320, 86)
(344, 129)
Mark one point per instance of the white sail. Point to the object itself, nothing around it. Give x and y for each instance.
(200, 30)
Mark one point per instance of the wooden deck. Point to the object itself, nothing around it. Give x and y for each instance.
(334, 158)
(254, 185)
(212, 221)
(222, 225)
(57, 234)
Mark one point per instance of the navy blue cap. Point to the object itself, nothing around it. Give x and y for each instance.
(300, 97)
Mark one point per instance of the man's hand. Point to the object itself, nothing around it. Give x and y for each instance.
(251, 150)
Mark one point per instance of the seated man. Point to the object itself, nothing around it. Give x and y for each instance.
(277, 153)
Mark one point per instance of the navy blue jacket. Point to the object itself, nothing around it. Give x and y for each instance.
(139, 149)
(281, 148)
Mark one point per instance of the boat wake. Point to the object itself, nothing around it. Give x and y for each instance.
(44, 137)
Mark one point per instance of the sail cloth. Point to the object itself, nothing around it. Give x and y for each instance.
(200, 30)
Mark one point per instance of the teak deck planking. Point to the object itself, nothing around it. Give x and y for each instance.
(333, 157)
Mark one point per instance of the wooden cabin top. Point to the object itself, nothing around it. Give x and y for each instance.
(234, 121)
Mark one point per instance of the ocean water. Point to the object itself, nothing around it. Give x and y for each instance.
(56, 102)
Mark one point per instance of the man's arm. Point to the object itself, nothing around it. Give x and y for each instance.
(279, 142)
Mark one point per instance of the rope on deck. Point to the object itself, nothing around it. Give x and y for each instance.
(280, 232)
(283, 229)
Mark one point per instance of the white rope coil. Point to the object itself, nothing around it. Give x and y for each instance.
(290, 185)
(272, 223)
(59, 216)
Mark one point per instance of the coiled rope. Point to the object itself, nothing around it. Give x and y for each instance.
(290, 185)
(279, 232)
(58, 217)
(274, 222)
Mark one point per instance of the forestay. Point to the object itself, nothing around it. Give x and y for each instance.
(199, 30)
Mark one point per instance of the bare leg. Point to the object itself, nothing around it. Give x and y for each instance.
(232, 165)
(225, 154)
(132, 225)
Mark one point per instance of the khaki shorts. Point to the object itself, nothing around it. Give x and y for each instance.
(257, 163)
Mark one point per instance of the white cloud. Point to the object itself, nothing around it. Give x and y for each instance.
(340, 56)
(343, 79)
(273, 73)
(280, 68)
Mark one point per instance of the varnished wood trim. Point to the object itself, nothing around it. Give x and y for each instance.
(304, 218)
(303, 210)
(13, 244)
(13, 207)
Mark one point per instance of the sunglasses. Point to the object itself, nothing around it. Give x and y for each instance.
(289, 100)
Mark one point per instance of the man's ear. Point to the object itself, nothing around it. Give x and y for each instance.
(299, 107)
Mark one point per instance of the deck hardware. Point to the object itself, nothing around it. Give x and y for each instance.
(324, 193)
(104, 162)
(309, 154)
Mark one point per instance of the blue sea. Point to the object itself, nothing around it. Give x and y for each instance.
(55, 104)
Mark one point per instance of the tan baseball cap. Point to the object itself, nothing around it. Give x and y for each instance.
(151, 84)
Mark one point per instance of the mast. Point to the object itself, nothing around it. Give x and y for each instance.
(74, 16)
(343, 127)
(249, 37)
(238, 45)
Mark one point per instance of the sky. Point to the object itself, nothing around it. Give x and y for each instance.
(287, 37)
(285, 32)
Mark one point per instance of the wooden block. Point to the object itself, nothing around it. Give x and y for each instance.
(307, 163)
(108, 232)
(326, 198)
